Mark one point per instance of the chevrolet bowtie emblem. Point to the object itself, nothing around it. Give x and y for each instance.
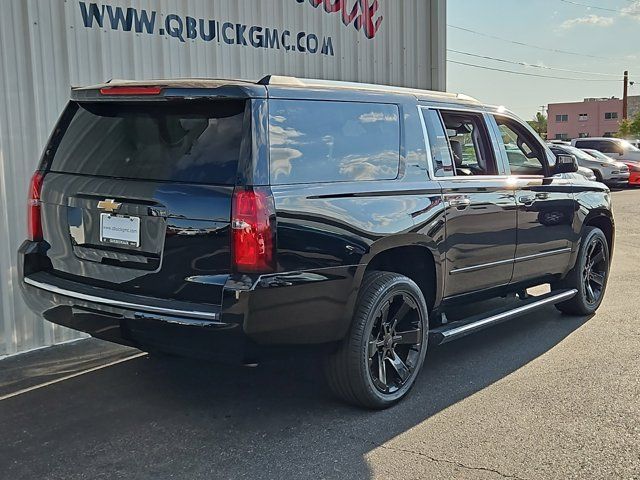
(109, 205)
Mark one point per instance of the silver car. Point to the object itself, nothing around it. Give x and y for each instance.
(606, 170)
(615, 148)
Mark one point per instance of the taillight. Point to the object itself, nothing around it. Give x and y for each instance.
(34, 220)
(253, 230)
(131, 91)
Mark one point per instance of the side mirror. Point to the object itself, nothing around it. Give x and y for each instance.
(566, 164)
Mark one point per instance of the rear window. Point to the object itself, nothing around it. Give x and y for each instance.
(194, 142)
(321, 141)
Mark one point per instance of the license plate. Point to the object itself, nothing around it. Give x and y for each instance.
(120, 230)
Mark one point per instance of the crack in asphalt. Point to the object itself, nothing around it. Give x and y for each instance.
(442, 460)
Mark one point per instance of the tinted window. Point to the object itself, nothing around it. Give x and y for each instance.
(600, 145)
(586, 144)
(439, 144)
(610, 147)
(197, 142)
(318, 141)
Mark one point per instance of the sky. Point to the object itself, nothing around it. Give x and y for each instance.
(607, 39)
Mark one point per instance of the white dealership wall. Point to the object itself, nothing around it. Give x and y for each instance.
(46, 47)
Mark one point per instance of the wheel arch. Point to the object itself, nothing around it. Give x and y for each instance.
(411, 255)
(598, 173)
(602, 219)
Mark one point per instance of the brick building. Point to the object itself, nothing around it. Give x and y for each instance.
(634, 106)
(593, 117)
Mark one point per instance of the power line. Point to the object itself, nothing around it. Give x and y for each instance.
(527, 74)
(524, 64)
(605, 9)
(555, 50)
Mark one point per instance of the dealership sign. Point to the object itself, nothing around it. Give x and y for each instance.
(363, 15)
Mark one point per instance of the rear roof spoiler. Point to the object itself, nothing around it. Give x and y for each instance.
(154, 90)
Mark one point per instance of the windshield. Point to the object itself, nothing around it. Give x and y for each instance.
(629, 147)
(580, 155)
(599, 155)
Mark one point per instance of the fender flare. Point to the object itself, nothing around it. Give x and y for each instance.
(592, 215)
(399, 241)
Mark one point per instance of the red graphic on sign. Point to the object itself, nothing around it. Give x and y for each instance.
(362, 14)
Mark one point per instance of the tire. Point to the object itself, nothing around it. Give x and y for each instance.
(598, 176)
(589, 275)
(377, 364)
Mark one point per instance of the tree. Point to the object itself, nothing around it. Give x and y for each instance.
(635, 126)
(630, 128)
(624, 130)
(539, 124)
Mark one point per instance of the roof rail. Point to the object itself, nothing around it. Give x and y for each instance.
(286, 81)
(281, 80)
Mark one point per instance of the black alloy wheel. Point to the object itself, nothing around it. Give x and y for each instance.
(589, 275)
(377, 364)
(395, 343)
(595, 270)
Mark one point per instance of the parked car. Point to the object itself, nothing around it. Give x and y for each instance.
(516, 157)
(317, 214)
(634, 172)
(618, 149)
(634, 167)
(606, 170)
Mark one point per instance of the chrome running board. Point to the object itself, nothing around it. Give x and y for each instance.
(453, 331)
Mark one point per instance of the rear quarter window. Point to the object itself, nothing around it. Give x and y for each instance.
(322, 141)
(191, 142)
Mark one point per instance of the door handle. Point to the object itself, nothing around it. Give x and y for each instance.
(460, 202)
(527, 199)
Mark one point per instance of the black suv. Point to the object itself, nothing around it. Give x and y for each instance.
(227, 219)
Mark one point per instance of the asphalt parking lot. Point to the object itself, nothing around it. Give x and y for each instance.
(544, 396)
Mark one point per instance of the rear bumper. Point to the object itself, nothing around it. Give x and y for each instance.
(187, 314)
(145, 326)
(301, 308)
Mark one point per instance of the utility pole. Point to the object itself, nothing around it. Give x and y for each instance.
(625, 97)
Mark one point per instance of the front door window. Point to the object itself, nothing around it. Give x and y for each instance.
(525, 155)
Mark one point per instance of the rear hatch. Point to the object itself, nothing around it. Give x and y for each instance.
(137, 195)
